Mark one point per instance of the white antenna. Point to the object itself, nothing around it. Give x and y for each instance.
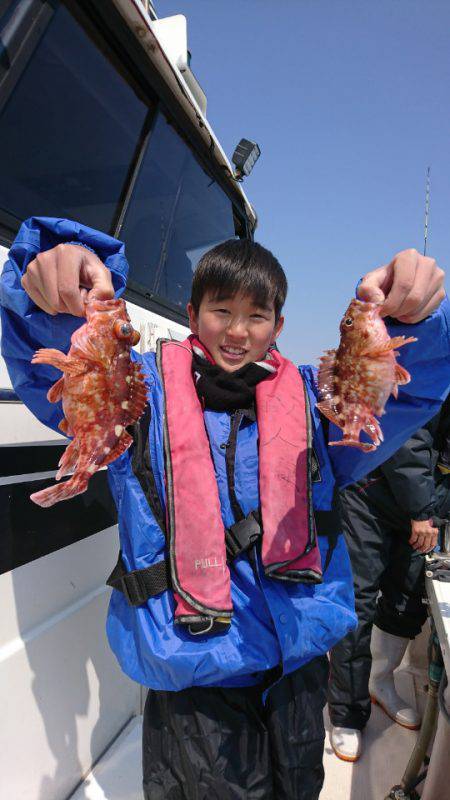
(427, 210)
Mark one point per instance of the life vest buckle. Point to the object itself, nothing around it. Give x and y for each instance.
(133, 590)
(243, 535)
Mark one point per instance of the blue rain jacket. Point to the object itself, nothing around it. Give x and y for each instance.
(274, 622)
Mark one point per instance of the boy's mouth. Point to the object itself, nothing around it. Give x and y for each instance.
(232, 354)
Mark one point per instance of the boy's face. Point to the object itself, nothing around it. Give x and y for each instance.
(235, 330)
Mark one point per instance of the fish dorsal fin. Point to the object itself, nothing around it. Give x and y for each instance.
(137, 396)
(325, 378)
(121, 445)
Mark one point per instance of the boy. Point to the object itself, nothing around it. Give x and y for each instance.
(231, 639)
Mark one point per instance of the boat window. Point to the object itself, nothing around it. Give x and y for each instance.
(70, 121)
(176, 212)
(81, 137)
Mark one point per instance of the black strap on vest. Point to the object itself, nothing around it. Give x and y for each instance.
(141, 584)
(329, 524)
(230, 459)
(142, 468)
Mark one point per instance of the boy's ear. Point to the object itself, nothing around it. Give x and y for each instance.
(193, 318)
(277, 330)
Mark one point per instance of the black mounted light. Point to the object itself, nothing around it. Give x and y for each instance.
(245, 157)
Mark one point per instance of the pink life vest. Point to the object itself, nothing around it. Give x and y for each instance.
(196, 533)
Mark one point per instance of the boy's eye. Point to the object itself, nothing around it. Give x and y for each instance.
(222, 310)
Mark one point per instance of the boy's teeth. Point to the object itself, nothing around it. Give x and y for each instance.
(233, 350)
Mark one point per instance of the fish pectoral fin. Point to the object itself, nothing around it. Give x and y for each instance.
(63, 425)
(399, 341)
(402, 375)
(328, 411)
(392, 344)
(65, 428)
(54, 394)
(87, 350)
(55, 358)
(52, 357)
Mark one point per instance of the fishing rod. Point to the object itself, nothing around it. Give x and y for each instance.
(427, 211)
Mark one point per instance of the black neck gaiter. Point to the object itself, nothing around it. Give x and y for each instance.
(220, 390)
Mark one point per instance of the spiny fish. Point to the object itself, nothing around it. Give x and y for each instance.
(356, 380)
(102, 391)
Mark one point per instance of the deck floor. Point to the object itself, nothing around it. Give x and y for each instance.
(386, 751)
(387, 747)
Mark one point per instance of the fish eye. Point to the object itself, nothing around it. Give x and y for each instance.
(123, 330)
(348, 322)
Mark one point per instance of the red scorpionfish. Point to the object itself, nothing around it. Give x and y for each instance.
(356, 380)
(102, 391)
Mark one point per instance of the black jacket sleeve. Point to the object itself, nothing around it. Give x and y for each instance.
(443, 437)
(410, 473)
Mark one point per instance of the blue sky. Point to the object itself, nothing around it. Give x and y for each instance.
(349, 101)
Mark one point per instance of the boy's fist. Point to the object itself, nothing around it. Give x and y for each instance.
(410, 288)
(61, 280)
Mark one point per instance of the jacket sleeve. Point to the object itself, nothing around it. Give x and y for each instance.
(428, 362)
(443, 437)
(410, 473)
(25, 327)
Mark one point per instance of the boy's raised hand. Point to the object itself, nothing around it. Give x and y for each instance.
(61, 280)
(410, 288)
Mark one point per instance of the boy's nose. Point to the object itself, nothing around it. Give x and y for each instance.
(237, 327)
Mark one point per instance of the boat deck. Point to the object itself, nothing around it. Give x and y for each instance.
(387, 747)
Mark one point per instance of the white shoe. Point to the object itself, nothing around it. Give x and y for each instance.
(346, 743)
(387, 653)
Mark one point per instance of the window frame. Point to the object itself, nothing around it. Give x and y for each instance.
(107, 31)
(135, 291)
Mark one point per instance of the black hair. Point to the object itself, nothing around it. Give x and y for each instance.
(240, 266)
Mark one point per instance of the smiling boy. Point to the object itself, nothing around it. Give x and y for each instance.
(251, 299)
(233, 580)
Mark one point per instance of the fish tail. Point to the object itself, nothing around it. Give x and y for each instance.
(366, 447)
(61, 491)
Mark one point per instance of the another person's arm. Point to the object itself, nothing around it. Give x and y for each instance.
(49, 274)
(410, 475)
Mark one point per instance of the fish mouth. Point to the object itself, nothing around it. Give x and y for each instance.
(365, 305)
(96, 306)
